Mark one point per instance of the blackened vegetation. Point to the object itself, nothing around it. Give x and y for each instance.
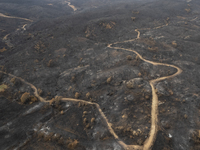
(65, 54)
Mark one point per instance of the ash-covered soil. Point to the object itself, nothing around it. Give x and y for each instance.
(83, 50)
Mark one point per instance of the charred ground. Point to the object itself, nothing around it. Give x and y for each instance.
(65, 53)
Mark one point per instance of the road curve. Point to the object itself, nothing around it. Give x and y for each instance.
(154, 109)
(5, 16)
(77, 100)
(72, 6)
(12, 17)
(25, 82)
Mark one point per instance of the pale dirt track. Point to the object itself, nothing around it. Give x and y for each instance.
(154, 109)
(12, 17)
(31, 85)
(5, 37)
(72, 6)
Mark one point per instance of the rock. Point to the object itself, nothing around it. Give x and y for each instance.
(73, 79)
(13, 80)
(195, 137)
(25, 97)
(50, 63)
(147, 97)
(109, 80)
(77, 95)
(73, 144)
(62, 112)
(92, 120)
(171, 92)
(33, 99)
(87, 126)
(124, 116)
(3, 87)
(139, 74)
(84, 120)
(139, 131)
(130, 97)
(85, 112)
(185, 116)
(133, 83)
(174, 43)
(133, 18)
(140, 141)
(88, 95)
(129, 57)
(135, 133)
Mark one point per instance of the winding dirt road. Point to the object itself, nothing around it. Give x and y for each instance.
(12, 17)
(154, 109)
(23, 27)
(5, 37)
(72, 6)
(31, 85)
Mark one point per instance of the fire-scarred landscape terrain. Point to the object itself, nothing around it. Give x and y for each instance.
(99, 75)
